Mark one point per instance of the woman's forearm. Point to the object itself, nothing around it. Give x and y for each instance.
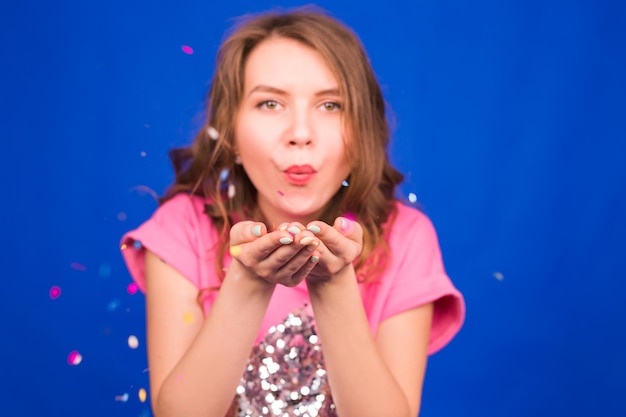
(204, 381)
(361, 383)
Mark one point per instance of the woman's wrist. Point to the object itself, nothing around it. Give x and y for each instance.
(344, 278)
(240, 276)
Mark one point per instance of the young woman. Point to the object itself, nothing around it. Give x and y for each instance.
(282, 276)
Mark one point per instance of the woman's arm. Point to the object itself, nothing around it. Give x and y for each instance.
(381, 377)
(195, 366)
(367, 376)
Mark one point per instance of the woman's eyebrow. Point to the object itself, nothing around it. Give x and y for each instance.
(328, 92)
(262, 88)
(267, 89)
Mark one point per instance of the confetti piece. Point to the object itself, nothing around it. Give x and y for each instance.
(498, 276)
(146, 125)
(124, 246)
(113, 305)
(146, 190)
(412, 197)
(344, 183)
(143, 153)
(235, 250)
(179, 377)
(213, 133)
(187, 49)
(231, 190)
(55, 292)
(123, 398)
(74, 358)
(350, 216)
(78, 267)
(132, 288)
(188, 318)
(137, 244)
(121, 216)
(142, 395)
(224, 174)
(133, 342)
(104, 271)
(280, 193)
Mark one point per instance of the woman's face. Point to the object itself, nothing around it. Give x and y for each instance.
(289, 131)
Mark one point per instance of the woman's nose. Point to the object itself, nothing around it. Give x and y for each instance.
(301, 133)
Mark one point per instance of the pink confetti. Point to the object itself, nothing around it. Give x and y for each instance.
(78, 267)
(187, 49)
(55, 292)
(74, 358)
(132, 288)
(280, 193)
(350, 216)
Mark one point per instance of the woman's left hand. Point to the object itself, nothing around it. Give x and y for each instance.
(340, 245)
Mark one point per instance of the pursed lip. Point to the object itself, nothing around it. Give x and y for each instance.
(299, 174)
(300, 169)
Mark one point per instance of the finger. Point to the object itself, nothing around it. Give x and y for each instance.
(246, 231)
(349, 228)
(306, 268)
(275, 245)
(334, 237)
(299, 267)
(285, 262)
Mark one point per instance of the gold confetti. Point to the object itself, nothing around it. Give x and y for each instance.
(188, 317)
(142, 395)
(235, 250)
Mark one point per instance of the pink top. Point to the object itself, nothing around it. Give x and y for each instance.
(180, 233)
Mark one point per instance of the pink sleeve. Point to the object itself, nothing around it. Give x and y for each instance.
(417, 277)
(171, 234)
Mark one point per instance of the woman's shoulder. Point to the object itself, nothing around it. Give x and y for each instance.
(182, 207)
(185, 201)
(407, 217)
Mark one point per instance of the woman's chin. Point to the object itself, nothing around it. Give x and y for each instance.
(301, 209)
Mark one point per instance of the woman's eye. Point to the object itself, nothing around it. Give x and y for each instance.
(331, 106)
(268, 105)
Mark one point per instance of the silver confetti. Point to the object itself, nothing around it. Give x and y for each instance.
(213, 133)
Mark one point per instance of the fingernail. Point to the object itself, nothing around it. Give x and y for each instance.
(314, 258)
(344, 224)
(314, 228)
(285, 240)
(307, 240)
(294, 230)
(256, 230)
(282, 227)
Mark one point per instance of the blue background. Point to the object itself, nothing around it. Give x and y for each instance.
(510, 127)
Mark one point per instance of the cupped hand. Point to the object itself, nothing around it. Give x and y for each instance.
(340, 245)
(284, 256)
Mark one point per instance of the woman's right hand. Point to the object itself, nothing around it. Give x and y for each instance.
(284, 256)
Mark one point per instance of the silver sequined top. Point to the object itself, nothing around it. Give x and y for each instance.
(285, 375)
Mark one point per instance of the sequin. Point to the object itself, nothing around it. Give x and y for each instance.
(286, 375)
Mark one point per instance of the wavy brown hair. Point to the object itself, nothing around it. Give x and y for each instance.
(370, 196)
